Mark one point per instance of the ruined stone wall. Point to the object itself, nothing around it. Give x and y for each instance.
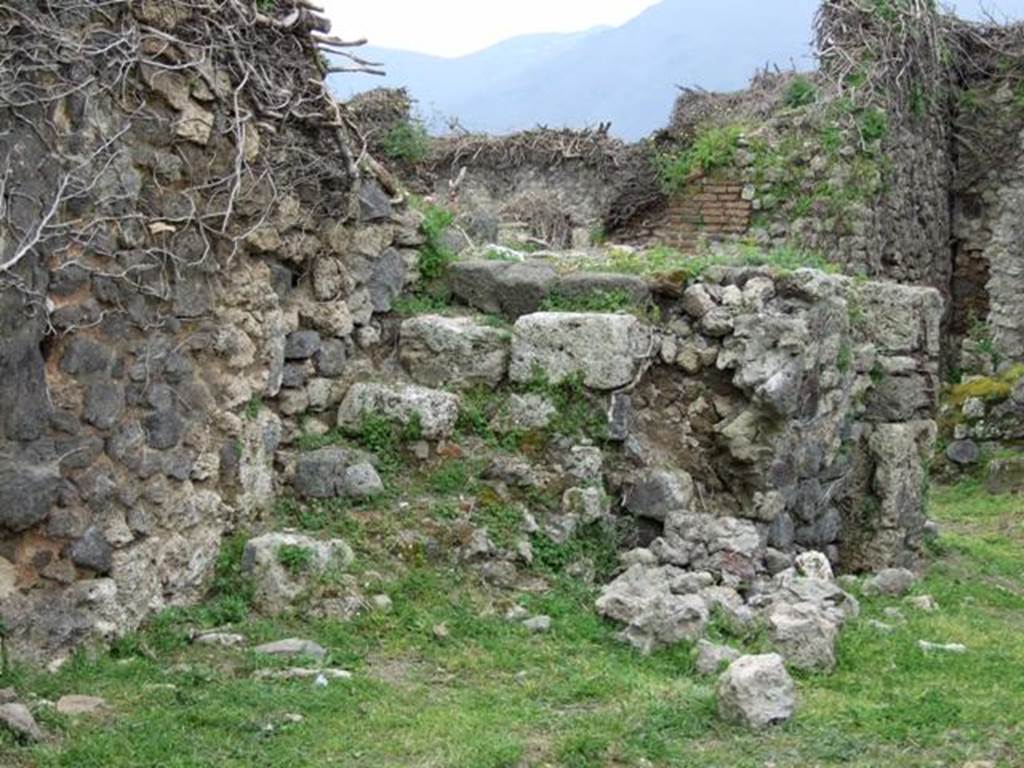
(183, 238)
(988, 255)
(796, 407)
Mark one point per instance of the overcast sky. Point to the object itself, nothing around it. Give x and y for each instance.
(457, 27)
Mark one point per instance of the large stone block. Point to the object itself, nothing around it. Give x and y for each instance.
(285, 565)
(503, 287)
(453, 351)
(606, 350)
(437, 412)
(756, 691)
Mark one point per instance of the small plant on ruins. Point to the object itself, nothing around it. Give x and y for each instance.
(800, 93)
(385, 437)
(713, 149)
(576, 414)
(435, 255)
(294, 559)
(408, 142)
(424, 303)
(253, 408)
(597, 301)
(266, 6)
(991, 389)
(873, 124)
(452, 477)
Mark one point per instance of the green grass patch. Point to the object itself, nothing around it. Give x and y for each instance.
(488, 693)
(712, 149)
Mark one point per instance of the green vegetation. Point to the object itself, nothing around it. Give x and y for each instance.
(682, 267)
(253, 408)
(407, 142)
(873, 124)
(421, 304)
(713, 149)
(596, 301)
(435, 256)
(992, 389)
(577, 414)
(296, 560)
(487, 693)
(800, 93)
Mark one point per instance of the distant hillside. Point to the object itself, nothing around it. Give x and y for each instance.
(627, 75)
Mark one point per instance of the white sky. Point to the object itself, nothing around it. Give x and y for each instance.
(457, 27)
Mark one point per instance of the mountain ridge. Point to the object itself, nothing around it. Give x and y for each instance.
(627, 75)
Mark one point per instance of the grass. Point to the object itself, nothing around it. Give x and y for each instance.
(681, 267)
(407, 142)
(490, 694)
(712, 149)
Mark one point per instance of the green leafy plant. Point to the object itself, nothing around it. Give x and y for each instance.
(435, 255)
(408, 142)
(873, 125)
(253, 408)
(597, 301)
(714, 148)
(295, 559)
(800, 93)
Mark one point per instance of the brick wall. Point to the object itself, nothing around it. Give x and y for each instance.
(708, 208)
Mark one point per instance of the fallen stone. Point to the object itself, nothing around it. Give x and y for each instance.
(648, 601)
(881, 626)
(757, 692)
(605, 350)
(75, 705)
(924, 603)
(223, 639)
(894, 614)
(929, 647)
(361, 481)
(320, 474)
(890, 582)
(538, 624)
(19, 721)
(804, 636)
(501, 287)
(381, 603)
(963, 452)
(659, 492)
(814, 565)
(711, 657)
(517, 613)
(1005, 475)
(453, 351)
(292, 647)
(278, 582)
(302, 673)
(437, 412)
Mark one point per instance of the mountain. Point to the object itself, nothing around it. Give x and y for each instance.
(627, 75)
(441, 84)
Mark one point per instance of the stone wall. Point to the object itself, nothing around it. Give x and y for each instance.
(798, 403)
(183, 238)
